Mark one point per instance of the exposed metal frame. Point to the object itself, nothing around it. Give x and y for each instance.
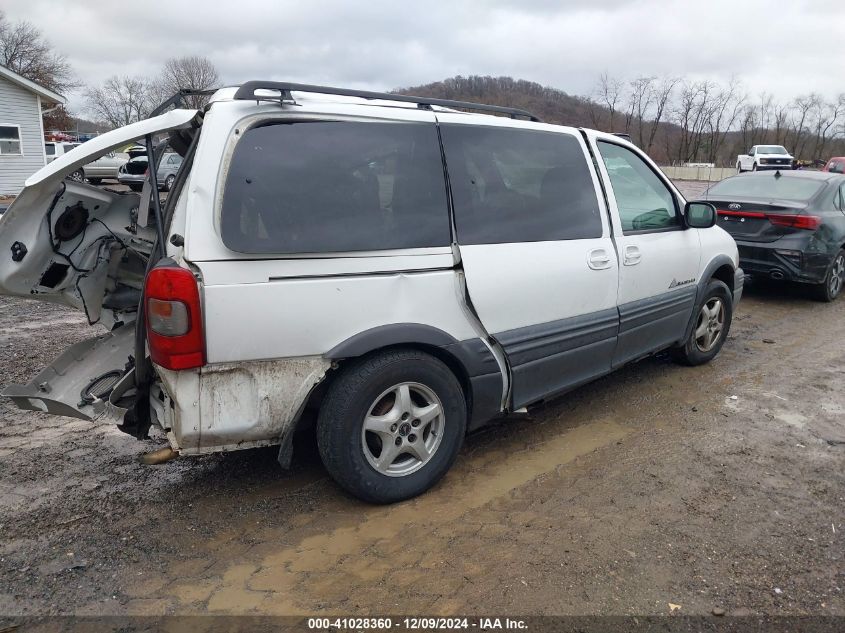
(247, 91)
(177, 98)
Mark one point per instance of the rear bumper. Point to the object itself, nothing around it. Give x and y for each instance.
(772, 262)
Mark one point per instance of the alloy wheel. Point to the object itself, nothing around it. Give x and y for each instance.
(710, 323)
(403, 429)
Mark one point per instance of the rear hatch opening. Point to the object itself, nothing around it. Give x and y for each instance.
(88, 248)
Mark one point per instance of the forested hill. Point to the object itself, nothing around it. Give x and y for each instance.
(548, 104)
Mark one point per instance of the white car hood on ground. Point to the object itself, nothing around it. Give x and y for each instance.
(96, 147)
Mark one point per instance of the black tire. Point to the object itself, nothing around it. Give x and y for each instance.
(754, 167)
(135, 187)
(692, 352)
(95, 181)
(831, 288)
(77, 176)
(738, 168)
(355, 394)
(168, 182)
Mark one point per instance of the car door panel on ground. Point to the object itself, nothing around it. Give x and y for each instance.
(540, 266)
(659, 259)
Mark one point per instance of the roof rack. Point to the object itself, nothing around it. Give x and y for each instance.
(247, 92)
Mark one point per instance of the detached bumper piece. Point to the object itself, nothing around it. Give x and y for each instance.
(80, 382)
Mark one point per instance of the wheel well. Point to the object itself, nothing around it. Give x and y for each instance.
(725, 274)
(457, 368)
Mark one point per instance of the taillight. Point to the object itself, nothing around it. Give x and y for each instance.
(791, 220)
(174, 318)
(809, 222)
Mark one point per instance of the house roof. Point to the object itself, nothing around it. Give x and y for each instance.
(45, 93)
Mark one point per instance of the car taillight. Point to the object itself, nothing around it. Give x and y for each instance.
(791, 220)
(808, 222)
(174, 318)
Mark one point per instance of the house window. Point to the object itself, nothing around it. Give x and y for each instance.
(10, 140)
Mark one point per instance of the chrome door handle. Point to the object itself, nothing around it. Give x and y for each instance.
(598, 259)
(632, 256)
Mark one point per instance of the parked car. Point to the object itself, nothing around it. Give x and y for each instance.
(134, 172)
(762, 157)
(105, 167)
(54, 149)
(788, 226)
(315, 257)
(835, 165)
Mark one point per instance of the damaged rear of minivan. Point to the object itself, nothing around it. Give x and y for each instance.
(92, 248)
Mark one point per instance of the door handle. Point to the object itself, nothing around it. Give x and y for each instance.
(632, 256)
(598, 259)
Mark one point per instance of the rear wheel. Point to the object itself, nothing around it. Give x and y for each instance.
(77, 176)
(168, 183)
(834, 280)
(739, 168)
(391, 425)
(710, 329)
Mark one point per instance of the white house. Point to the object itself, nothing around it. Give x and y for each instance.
(22, 128)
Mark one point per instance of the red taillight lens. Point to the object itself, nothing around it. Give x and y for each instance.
(174, 318)
(809, 222)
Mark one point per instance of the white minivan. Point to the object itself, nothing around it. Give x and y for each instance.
(405, 268)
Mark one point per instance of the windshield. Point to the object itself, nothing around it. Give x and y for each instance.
(771, 149)
(768, 187)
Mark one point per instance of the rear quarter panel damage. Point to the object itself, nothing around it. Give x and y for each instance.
(229, 406)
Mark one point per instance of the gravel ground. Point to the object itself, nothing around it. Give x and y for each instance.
(712, 487)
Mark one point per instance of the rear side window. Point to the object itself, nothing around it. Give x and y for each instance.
(512, 185)
(331, 186)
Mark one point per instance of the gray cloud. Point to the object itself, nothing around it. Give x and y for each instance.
(786, 48)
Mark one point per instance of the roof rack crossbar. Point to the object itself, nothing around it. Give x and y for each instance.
(248, 89)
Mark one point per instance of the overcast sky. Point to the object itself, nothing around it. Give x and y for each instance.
(783, 47)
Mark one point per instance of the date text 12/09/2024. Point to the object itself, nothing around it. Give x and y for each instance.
(416, 623)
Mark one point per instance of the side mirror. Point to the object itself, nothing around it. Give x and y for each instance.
(700, 215)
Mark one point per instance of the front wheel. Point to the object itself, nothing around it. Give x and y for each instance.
(391, 425)
(168, 183)
(834, 280)
(711, 326)
(77, 176)
(754, 167)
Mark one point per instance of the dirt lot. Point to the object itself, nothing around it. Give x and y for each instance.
(713, 487)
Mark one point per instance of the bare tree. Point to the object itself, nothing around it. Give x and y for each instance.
(25, 51)
(640, 99)
(723, 115)
(192, 72)
(662, 96)
(609, 93)
(802, 109)
(120, 100)
(781, 122)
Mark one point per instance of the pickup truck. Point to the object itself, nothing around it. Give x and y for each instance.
(762, 157)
